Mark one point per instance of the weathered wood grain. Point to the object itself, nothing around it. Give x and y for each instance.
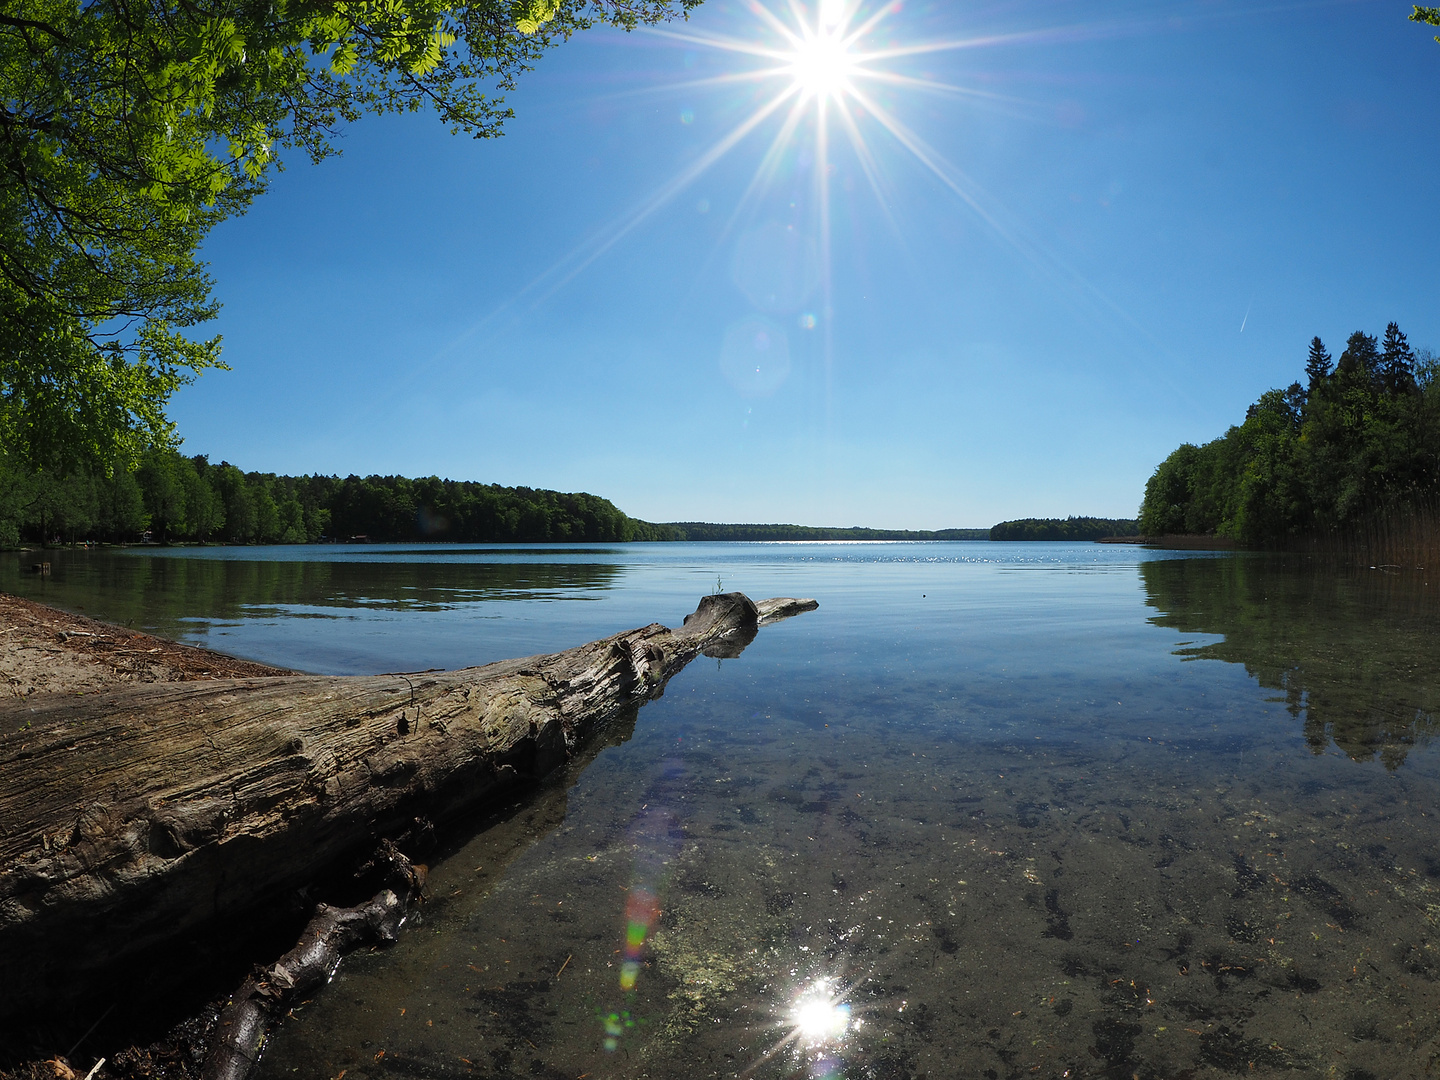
(130, 817)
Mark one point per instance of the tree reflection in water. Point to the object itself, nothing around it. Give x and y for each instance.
(1352, 651)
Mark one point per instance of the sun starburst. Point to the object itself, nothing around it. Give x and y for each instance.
(820, 69)
(822, 63)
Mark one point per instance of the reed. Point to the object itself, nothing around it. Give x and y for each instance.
(1405, 537)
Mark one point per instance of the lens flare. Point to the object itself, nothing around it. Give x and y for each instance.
(641, 910)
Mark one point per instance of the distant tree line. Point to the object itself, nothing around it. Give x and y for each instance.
(1357, 442)
(1071, 528)
(176, 498)
(701, 530)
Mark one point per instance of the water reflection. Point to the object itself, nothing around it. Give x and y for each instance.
(164, 591)
(345, 617)
(1352, 652)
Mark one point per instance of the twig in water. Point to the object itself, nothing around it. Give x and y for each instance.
(94, 1069)
(565, 965)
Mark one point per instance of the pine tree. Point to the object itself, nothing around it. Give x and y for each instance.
(1317, 366)
(1397, 362)
(1361, 358)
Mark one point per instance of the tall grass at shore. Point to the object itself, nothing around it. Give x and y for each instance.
(1407, 537)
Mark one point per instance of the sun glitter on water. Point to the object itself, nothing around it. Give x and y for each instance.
(820, 1020)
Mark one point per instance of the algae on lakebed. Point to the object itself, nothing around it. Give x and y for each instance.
(987, 906)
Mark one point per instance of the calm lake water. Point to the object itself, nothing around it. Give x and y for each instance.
(992, 811)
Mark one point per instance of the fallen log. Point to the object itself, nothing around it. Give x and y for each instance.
(132, 817)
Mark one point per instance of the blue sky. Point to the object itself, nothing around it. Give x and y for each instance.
(1018, 314)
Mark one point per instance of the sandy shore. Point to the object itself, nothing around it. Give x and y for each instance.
(44, 650)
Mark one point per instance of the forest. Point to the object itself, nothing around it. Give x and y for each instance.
(1071, 528)
(170, 498)
(1352, 449)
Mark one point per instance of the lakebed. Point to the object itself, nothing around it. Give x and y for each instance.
(993, 810)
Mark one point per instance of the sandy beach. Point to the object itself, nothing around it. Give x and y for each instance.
(44, 650)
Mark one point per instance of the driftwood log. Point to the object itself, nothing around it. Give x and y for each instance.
(133, 817)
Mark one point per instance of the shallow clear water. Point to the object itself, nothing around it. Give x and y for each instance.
(1004, 810)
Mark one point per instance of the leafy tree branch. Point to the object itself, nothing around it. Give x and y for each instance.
(129, 128)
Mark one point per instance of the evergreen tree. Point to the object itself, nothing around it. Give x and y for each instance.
(122, 505)
(1361, 443)
(1397, 362)
(164, 492)
(1317, 366)
(1360, 362)
(203, 509)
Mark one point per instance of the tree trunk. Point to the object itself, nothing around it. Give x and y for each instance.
(131, 817)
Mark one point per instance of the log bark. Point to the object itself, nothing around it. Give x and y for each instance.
(132, 817)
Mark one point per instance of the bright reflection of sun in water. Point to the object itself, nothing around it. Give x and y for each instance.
(818, 1025)
(820, 1018)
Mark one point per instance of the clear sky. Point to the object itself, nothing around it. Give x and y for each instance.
(1061, 239)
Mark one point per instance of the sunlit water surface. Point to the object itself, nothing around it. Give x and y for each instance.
(992, 811)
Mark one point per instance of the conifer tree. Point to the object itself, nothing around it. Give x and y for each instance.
(1397, 362)
(1317, 365)
(1361, 358)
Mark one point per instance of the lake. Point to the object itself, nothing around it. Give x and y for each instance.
(994, 810)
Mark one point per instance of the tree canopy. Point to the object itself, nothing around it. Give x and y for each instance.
(170, 497)
(1071, 528)
(129, 128)
(1360, 441)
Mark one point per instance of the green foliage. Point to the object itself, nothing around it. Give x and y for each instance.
(1426, 15)
(1318, 363)
(1071, 528)
(175, 498)
(128, 128)
(1362, 440)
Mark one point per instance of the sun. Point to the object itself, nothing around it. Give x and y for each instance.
(807, 70)
(822, 63)
(822, 66)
